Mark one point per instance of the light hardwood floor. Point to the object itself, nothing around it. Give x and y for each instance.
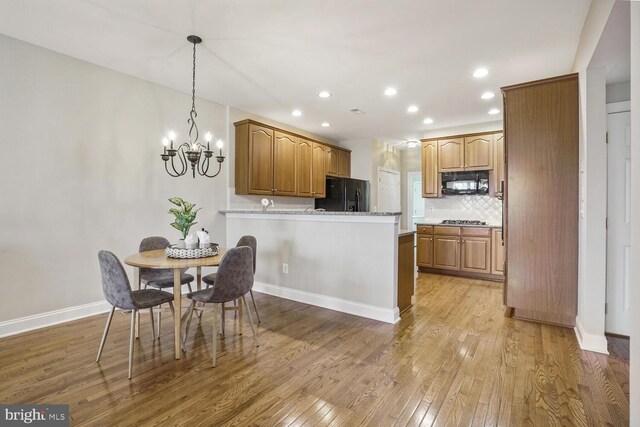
(453, 359)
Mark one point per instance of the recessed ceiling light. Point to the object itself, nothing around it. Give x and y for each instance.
(412, 109)
(390, 91)
(325, 125)
(412, 144)
(488, 95)
(427, 121)
(296, 113)
(494, 111)
(324, 94)
(480, 72)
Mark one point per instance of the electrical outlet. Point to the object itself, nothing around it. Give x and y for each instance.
(285, 268)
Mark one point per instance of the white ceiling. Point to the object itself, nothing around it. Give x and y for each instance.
(269, 57)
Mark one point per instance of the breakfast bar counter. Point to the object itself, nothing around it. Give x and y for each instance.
(344, 261)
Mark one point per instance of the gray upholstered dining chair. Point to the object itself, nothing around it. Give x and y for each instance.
(233, 281)
(117, 291)
(160, 278)
(210, 279)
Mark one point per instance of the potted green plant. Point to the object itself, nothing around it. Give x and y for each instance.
(185, 216)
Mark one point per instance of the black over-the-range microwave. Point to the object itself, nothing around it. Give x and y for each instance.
(465, 183)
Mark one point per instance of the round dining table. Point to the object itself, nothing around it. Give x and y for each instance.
(159, 259)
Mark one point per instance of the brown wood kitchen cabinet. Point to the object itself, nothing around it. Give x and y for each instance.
(272, 161)
(541, 203)
(430, 175)
(497, 252)
(304, 167)
(497, 175)
(451, 155)
(478, 152)
(458, 251)
(285, 147)
(344, 163)
(424, 246)
(475, 252)
(318, 170)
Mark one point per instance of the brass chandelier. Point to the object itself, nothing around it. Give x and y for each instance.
(192, 151)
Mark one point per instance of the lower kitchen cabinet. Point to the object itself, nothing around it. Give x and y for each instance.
(460, 251)
(476, 255)
(425, 250)
(497, 250)
(446, 252)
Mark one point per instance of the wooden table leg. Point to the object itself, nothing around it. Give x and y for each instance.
(177, 316)
(136, 283)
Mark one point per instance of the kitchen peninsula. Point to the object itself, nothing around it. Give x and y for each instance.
(344, 261)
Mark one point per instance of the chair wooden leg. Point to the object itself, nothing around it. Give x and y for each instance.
(222, 320)
(159, 320)
(153, 327)
(104, 335)
(253, 328)
(132, 337)
(189, 286)
(215, 333)
(186, 332)
(240, 319)
(235, 305)
(254, 305)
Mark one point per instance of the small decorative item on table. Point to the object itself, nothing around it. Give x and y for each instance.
(185, 217)
(174, 252)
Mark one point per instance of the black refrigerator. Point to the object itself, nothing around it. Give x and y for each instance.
(345, 195)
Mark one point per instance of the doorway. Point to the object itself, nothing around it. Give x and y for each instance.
(618, 314)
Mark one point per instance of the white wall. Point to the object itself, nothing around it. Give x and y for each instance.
(635, 215)
(592, 127)
(592, 255)
(618, 92)
(82, 172)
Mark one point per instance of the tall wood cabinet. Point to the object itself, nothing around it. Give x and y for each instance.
(430, 175)
(272, 161)
(541, 199)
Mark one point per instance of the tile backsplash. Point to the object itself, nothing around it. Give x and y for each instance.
(484, 208)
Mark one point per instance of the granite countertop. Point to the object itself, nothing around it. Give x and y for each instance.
(402, 233)
(439, 222)
(303, 212)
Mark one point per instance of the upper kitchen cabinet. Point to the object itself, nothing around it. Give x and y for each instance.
(498, 166)
(541, 204)
(254, 159)
(304, 167)
(451, 155)
(285, 147)
(430, 176)
(344, 163)
(318, 170)
(272, 161)
(478, 152)
(332, 161)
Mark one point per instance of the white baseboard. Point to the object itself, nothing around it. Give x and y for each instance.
(332, 303)
(590, 342)
(29, 323)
